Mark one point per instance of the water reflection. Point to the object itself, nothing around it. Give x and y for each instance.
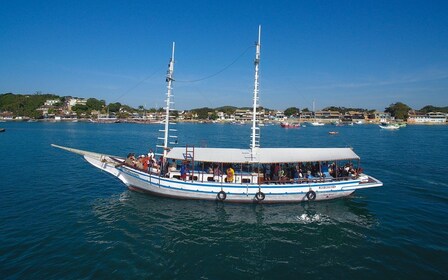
(153, 209)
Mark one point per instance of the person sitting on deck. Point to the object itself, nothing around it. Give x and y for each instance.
(130, 160)
(210, 169)
(297, 173)
(139, 163)
(325, 169)
(230, 175)
(216, 173)
(267, 172)
(173, 165)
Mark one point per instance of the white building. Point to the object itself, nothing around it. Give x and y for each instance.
(428, 118)
(51, 102)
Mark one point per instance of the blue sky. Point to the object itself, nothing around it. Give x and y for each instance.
(365, 54)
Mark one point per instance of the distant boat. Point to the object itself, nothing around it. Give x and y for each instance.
(333, 132)
(317, 124)
(289, 125)
(2, 129)
(389, 126)
(105, 120)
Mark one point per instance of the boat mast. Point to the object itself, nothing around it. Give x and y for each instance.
(255, 129)
(169, 80)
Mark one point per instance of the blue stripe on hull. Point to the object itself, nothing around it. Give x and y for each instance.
(253, 189)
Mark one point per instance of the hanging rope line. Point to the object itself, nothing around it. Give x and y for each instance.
(220, 71)
(135, 86)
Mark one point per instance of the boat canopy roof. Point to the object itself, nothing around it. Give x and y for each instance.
(263, 155)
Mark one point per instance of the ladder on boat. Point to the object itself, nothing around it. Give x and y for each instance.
(189, 156)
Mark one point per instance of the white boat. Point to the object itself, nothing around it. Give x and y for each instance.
(389, 126)
(252, 175)
(316, 124)
(105, 120)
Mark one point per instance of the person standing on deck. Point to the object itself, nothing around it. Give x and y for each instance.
(183, 171)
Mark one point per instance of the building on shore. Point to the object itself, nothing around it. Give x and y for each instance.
(377, 117)
(327, 116)
(416, 117)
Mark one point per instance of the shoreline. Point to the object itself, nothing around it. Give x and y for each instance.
(273, 122)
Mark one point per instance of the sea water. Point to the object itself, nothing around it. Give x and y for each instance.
(62, 218)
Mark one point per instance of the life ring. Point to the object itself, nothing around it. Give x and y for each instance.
(222, 196)
(311, 195)
(259, 196)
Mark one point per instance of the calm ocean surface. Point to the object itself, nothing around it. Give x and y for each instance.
(61, 218)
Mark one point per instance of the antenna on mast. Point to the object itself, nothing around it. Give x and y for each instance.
(255, 143)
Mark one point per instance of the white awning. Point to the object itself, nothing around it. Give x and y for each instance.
(264, 155)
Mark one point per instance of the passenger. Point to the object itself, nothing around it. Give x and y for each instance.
(281, 174)
(139, 163)
(173, 165)
(145, 163)
(165, 167)
(210, 170)
(325, 169)
(183, 171)
(346, 170)
(160, 161)
(130, 160)
(216, 173)
(150, 162)
(230, 175)
(296, 173)
(267, 172)
(276, 170)
(151, 153)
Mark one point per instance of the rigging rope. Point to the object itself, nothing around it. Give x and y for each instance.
(185, 81)
(219, 72)
(136, 85)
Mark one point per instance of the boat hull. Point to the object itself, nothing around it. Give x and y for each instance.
(141, 181)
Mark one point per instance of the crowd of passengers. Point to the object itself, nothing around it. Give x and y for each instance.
(271, 172)
(308, 170)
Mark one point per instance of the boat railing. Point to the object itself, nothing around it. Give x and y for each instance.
(243, 177)
(287, 180)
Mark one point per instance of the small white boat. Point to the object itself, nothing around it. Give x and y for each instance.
(316, 124)
(234, 174)
(389, 126)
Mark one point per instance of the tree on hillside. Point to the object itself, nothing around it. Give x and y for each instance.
(229, 110)
(95, 104)
(398, 110)
(114, 107)
(430, 108)
(344, 110)
(291, 111)
(23, 105)
(202, 113)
